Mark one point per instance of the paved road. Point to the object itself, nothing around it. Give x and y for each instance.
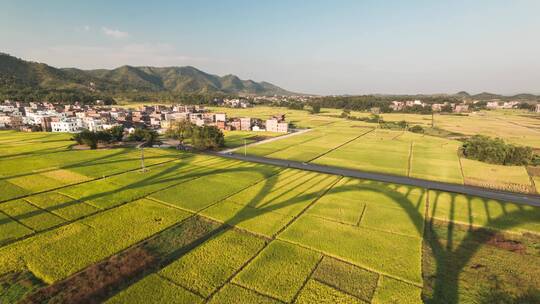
(296, 132)
(533, 200)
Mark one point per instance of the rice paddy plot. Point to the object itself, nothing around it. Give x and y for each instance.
(62, 205)
(154, 289)
(284, 143)
(262, 222)
(10, 191)
(346, 277)
(126, 187)
(35, 182)
(479, 212)
(435, 159)
(377, 151)
(280, 270)
(326, 141)
(29, 215)
(238, 138)
(11, 229)
(288, 193)
(508, 178)
(370, 249)
(189, 196)
(338, 206)
(317, 292)
(210, 265)
(395, 291)
(234, 294)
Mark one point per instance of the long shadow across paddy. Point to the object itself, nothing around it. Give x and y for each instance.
(446, 283)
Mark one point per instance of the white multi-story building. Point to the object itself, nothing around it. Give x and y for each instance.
(68, 125)
(221, 117)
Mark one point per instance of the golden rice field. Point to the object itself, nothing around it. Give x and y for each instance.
(89, 226)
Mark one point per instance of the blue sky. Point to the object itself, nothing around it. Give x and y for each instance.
(322, 47)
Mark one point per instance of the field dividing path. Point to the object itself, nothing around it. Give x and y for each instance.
(526, 199)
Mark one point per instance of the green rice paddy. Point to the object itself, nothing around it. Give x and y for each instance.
(201, 229)
(362, 146)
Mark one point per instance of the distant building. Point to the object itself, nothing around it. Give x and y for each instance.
(437, 107)
(245, 124)
(510, 104)
(461, 108)
(274, 125)
(65, 125)
(397, 105)
(221, 117)
(376, 110)
(537, 108)
(221, 124)
(492, 105)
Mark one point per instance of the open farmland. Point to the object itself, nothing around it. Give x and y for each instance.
(203, 229)
(362, 146)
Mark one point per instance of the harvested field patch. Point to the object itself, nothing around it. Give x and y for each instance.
(347, 277)
(317, 292)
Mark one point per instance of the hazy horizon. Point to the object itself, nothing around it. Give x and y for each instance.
(315, 47)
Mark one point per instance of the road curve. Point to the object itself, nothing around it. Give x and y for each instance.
(526, 199)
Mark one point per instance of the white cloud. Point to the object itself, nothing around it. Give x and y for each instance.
(86, 28)
(114, 33)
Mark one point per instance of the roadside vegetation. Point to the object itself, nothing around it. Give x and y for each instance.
(201, 138)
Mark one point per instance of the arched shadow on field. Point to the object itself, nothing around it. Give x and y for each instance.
(446, 283)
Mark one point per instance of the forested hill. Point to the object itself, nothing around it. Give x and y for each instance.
(18, 76)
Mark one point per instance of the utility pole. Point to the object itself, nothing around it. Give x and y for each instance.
(432, 119)
(143, 168)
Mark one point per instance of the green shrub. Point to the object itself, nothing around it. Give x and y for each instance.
(416, 129)
(496, 151)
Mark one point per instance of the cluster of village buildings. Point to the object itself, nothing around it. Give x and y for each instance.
(456, 107)
(50, 117)
(435, 107)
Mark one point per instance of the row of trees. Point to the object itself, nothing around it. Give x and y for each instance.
(66, 96)
(114, 135)
(496, 151)
(202, 138)
(366, 102)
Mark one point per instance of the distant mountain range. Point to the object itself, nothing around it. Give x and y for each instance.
(491, 96)
(16, 74)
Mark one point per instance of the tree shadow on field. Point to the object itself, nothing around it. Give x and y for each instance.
(445, 284)
(103, 160)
